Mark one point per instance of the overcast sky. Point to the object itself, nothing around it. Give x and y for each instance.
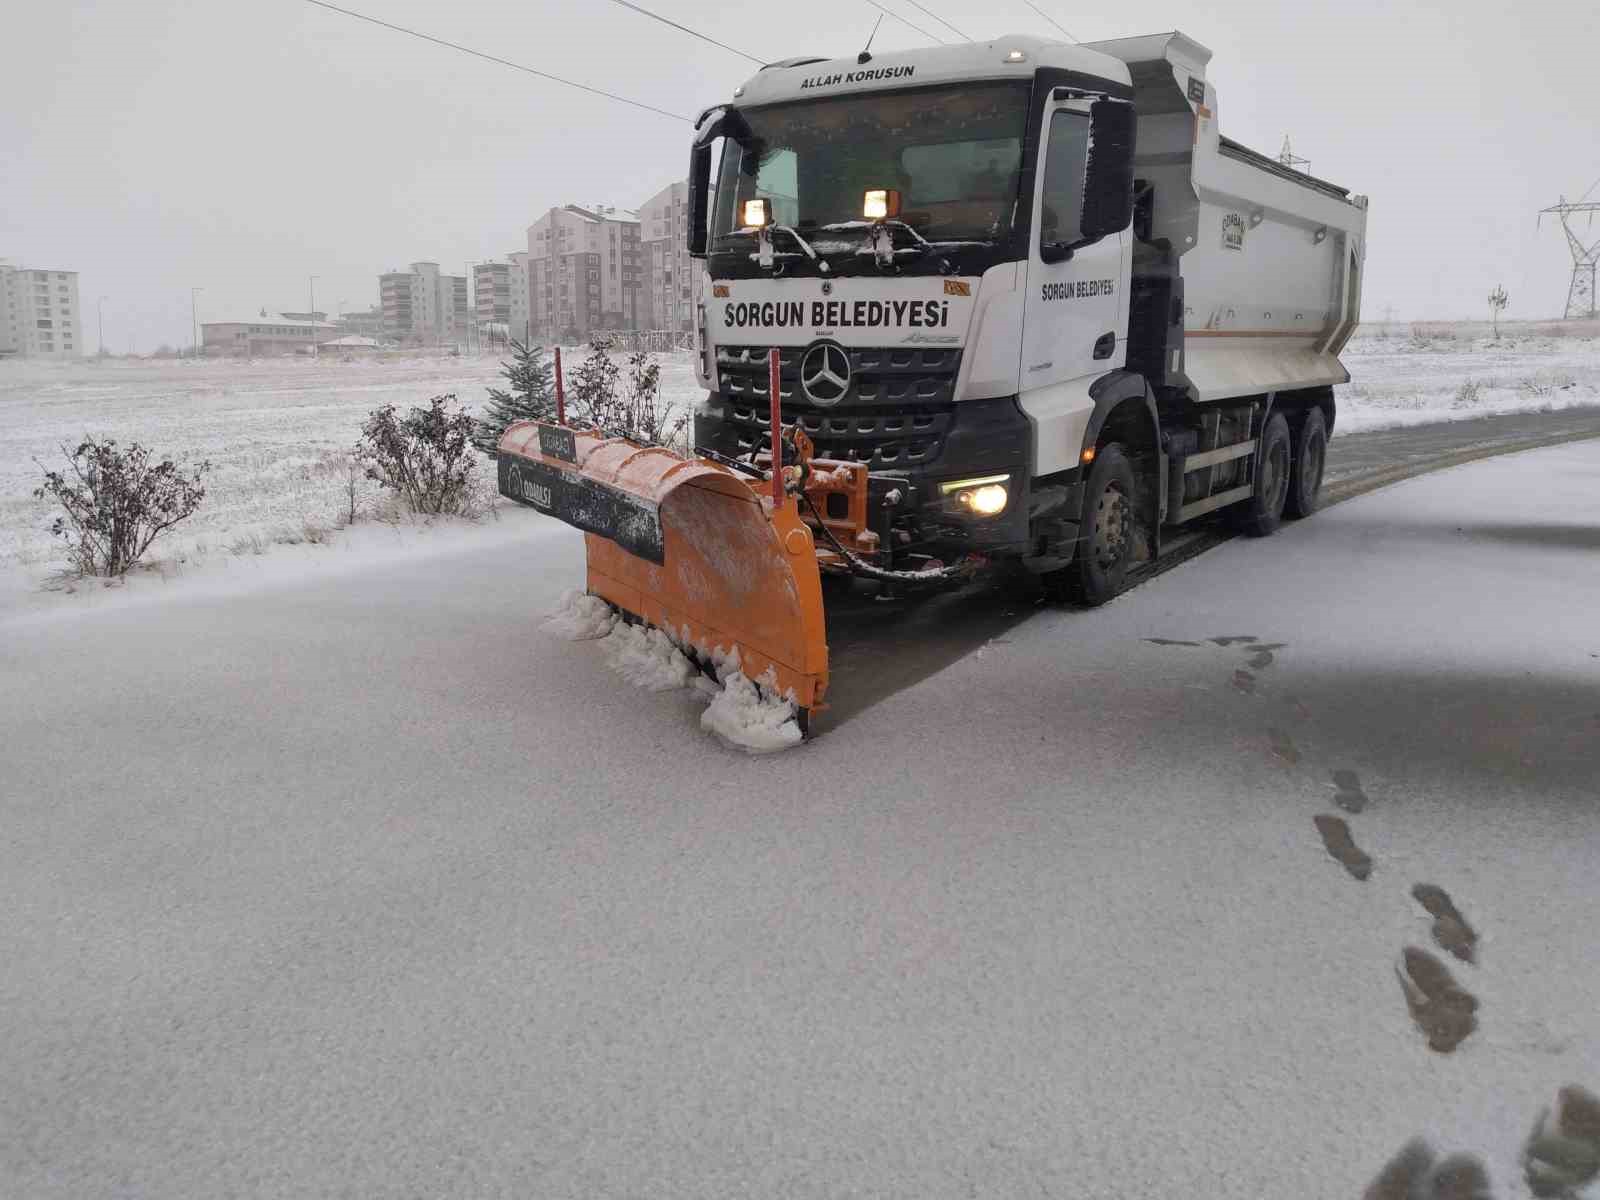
(241, 147)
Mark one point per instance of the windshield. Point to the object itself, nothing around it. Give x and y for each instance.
(953, 153)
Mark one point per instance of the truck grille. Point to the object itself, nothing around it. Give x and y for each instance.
(896, 413)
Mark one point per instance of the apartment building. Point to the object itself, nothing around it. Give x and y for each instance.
(517, 274)
(670, 277)
(491, 295)
(585, 273)
(422, 307)
(40, 316)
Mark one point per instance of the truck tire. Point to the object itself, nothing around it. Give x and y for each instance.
(1261, 515)
(1105, 547)
(1310, 455)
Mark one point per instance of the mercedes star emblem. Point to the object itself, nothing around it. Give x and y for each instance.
(825, 373)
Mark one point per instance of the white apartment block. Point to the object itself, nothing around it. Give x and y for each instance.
(521, 321)
(585, 273)
(670, 276)
(491, 296)
(421, 307)
(40, 316)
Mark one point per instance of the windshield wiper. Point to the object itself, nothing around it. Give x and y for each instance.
(880, 240)
(799, 241)
(767, 256)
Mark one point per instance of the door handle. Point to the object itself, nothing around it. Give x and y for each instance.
(1105, 345)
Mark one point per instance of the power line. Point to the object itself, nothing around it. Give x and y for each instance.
(907, 23)
(939, 19)
(645, 12)
(1047, 17)
(582, 87)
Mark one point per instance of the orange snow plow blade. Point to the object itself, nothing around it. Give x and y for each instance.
(686, 545)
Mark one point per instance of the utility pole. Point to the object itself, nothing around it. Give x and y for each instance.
(194, 316)
(313, 315)
(100, 307)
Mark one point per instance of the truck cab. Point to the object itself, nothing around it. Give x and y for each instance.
(1031, 288)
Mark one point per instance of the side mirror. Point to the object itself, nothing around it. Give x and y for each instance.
(1107, 182)
(719, 122)
(699, 198)
(1108, 176)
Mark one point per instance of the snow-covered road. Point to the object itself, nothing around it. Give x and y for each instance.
(358, 884)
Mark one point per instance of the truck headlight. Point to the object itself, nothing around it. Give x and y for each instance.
(985, 496)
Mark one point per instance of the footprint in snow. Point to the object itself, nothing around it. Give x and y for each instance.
(1444, 1011)
(1562, 1154)
(1349, 795)
(1232, 639)
(1337, 841)
(1169, 642)
(1414, 1175)
(1244, 682)
(1450, 928)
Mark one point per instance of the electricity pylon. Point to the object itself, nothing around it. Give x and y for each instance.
(1581, 296)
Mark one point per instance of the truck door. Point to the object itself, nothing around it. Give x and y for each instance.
(1075, 316)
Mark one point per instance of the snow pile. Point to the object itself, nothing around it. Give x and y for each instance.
(581, 617)
(745, 714)
(647, 658)
(750, 717)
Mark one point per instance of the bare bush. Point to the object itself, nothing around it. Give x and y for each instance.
(423, 457)
(593, 392)
(626, 405)
(351, 476)
(115, 503)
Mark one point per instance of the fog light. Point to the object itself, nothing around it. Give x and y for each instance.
(984, 497)
(879, 204)
(757, 213)
(987, 500)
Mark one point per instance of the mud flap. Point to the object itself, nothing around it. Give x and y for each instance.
(686, 545)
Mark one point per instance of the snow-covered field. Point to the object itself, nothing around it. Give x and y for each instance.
(276, 431)
(1419, 374)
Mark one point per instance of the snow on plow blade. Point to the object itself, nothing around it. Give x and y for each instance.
(684, 544)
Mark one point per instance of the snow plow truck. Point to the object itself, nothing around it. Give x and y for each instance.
(1009, 304)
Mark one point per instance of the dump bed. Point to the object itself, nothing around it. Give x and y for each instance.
(1267, 260)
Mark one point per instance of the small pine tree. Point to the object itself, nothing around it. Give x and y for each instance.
(532, 397)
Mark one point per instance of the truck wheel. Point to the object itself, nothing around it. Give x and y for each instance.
(1261, 515)
(1310, 454)
(1105, 546)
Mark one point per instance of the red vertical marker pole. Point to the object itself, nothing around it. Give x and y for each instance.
(777, 426)
(561, 392)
